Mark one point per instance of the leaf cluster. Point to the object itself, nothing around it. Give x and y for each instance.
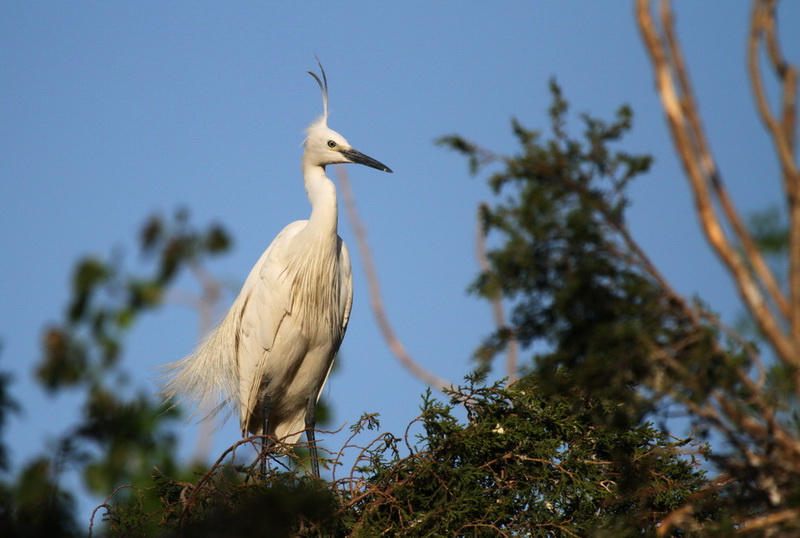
(584, 298)
(521, 462)
(121, 432)
(596, 317)
(106, 300)
(525, 462)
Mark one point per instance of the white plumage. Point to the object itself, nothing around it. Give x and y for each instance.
(275, 347)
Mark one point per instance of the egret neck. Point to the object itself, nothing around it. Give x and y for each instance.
(322, 194)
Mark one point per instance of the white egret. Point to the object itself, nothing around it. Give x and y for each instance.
(271, 354)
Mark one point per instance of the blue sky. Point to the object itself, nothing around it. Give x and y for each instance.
(112, 111)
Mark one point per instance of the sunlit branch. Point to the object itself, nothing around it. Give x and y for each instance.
(205, 303)
(751, 274)
(763, 33)
(497, 305)
(705, 160)
(376, 302)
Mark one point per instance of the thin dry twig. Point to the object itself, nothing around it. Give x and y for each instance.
(497, 303)
(106, 505)
(376, 302)
(206, 304)
(770, 520)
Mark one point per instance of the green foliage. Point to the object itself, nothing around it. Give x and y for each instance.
(285, 506)
(596, 318)
(525, 462)
(770, 231)
(8, 405)
(106, 301)
(128, 432)
(36, 505)
(522, 462)
(121, 434)
(584, 298)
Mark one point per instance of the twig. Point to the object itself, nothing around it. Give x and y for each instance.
(705, 162)
(395, 345)
(106, 505)
(770, 520)
(205, 303)
(206, 306)
(497, 303)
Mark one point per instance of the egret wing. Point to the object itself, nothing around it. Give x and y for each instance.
(264, 302)
(345, 301)
(346, 276)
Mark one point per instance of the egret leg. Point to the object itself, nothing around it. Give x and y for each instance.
(311, 422)
(265, 425)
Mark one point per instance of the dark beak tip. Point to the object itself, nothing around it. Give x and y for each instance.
(357, 157)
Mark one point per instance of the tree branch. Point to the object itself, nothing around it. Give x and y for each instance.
(497, 304)
(763, 32)
(751, 274)
(376, 302)
(205, 303)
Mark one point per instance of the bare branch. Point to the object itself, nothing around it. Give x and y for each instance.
(497, 303)
(788, 516)
(376, 302)
(751, 419)
(763, 32)
(106, 504)
(707, 165)
(751, 273)
(205, 303)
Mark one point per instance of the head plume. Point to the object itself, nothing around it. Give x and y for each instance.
(323, 86)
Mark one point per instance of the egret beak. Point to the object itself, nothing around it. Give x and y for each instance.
(355, 156)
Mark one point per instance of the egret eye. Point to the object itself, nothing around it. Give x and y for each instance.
(331, 144)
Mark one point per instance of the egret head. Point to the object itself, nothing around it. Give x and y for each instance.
(325, 146)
